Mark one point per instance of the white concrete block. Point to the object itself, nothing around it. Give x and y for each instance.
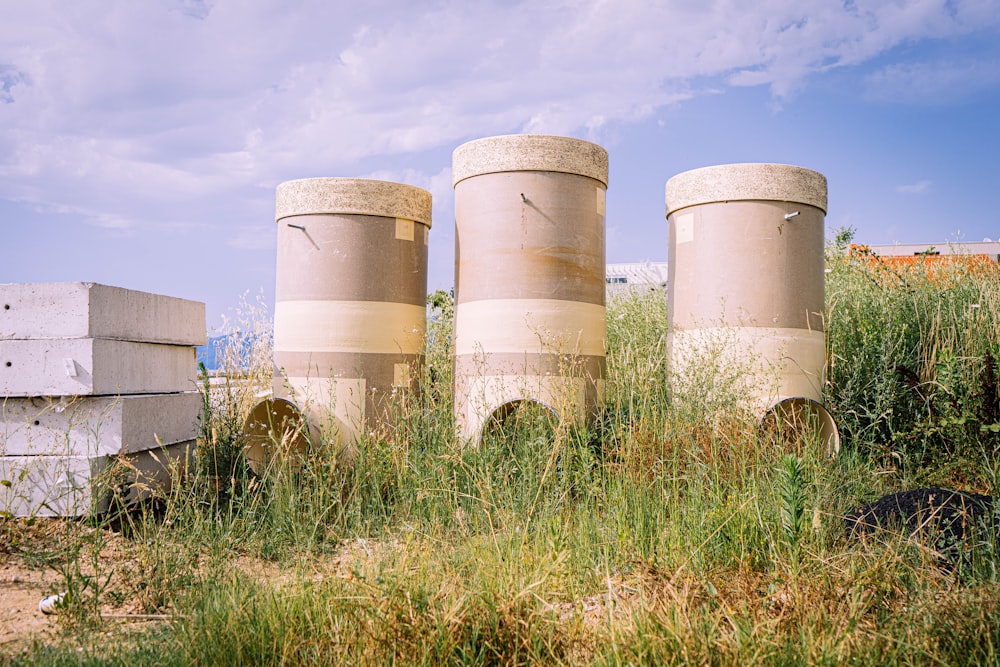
(90, 310)
(97, 425)
(78, 485)
(94, 366)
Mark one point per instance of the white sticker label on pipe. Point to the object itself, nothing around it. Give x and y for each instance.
(684, 224)
(400, 375)
(404, 229)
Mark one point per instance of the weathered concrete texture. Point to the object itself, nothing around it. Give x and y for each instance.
(530, 235)
(746, 182)
(357, 196)
(744, 264)
(94, 366)
(351, 258)
(344, 393)
(90, 310)
(350, 293)
(529, 277)
(97, 426)
(90, 376)
(79, 485)
(529, 152)
(765, 365)
(745, 289)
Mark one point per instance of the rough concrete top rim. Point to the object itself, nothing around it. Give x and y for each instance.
(746, 181)
(357, 196)
(529, 152)
(89, 284)
(71, 310)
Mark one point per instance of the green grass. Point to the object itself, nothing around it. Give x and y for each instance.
(669, 532)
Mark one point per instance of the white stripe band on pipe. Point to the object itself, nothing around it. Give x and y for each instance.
(530, 326)
(368, 327)
(566, 396)
(336, 404)
(778, 363)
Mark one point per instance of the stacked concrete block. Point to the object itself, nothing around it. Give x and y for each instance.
(98, 387)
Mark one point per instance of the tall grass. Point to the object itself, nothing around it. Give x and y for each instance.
(670, 531)
(913, 352)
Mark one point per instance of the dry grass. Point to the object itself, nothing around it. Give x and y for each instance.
(671, 532)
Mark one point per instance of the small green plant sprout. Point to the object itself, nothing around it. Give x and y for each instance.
(792, 494)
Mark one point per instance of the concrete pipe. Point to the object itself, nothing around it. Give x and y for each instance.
(529, 277)
(745, 286)
(276, 430)
(351, 288)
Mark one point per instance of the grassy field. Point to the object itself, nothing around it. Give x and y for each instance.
(672, 532)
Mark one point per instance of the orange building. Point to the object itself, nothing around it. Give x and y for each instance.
(937, 262)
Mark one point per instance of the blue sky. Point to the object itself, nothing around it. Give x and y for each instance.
(141, 142)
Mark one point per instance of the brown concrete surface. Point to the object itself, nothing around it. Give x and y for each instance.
(549, 247)
(745, 286)
(351, 285)
(350, 258)
(529, 276)
(747, 266)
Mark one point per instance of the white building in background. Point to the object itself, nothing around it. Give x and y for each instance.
(630, 276)
(984, 247)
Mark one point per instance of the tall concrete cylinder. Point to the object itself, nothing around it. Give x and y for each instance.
(746, 284)
(351, 288)
(529, 277)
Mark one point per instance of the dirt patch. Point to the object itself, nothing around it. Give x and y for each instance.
(35, 557)
(24, 581)
(20, 591)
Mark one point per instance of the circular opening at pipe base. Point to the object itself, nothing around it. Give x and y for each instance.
(275, 429)
(521, 420)
(801, 422)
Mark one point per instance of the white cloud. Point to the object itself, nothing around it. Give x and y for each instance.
(160, 113)
(252, 237)
(917, 188)
(940, 82)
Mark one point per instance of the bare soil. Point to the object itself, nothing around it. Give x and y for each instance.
(24, 580)
(21, 588)
(34, 556)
